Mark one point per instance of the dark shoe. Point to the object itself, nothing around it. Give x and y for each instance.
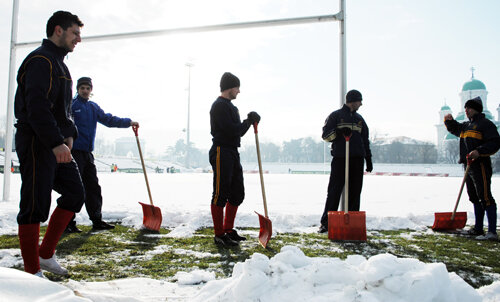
(234, 235)
(225, 241)
(72, 228)
(322, 229)
(101, 225)
(474, 232)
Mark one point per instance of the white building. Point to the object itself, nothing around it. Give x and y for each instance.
(447, 143)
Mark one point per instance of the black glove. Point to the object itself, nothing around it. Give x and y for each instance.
(253, 117)
(344, 131)
(369, 164)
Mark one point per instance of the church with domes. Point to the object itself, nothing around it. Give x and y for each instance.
(447, 143)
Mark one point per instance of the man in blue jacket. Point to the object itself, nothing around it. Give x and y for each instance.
(86, 115)
(44, 138)
(342, 122)
(479, 139)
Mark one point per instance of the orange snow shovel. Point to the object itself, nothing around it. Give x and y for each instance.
(452, 220)
(266, 227)
(152, 215)
(347, 225)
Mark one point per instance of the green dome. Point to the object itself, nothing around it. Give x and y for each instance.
(445, 107)
(450, 136)
(473, 84)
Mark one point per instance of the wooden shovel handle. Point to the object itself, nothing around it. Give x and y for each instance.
(460, 192)
(136, 130)
(260, 168)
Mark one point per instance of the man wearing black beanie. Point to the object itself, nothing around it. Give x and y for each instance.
(340, 123)
(228, 188)
(479, 140)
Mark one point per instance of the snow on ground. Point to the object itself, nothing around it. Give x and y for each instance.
(295, 203)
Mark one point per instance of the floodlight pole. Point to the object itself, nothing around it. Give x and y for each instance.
(188, 142)
(242, 25)
(343, 70)
(10, 104)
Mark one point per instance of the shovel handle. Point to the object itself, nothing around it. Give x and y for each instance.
(346, 185)
(460, 192)
(260, 169)
(136, 130)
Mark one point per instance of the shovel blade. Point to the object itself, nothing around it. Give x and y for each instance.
(443, 221)
(266, 230)
(347, 226)
(152, 217)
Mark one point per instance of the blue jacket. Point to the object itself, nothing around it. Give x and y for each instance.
(86, 115)
(43, 97)
(359, 144)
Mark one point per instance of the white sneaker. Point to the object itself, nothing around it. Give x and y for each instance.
(487, 236)
(40, 274)
(52, 266)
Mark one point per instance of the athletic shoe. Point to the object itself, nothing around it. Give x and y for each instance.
(322, 229)
(40, 274)
(474, 232)
(488, 236)
(52, 266)
(101, 225)
(225, 241)
(234, 235)
(72, 228)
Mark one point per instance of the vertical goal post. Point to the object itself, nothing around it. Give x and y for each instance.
(340, 16)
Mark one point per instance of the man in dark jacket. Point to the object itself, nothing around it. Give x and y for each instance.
(228, 188)
(86, 114)
(44, 138)
(344, 122)
(479, 140)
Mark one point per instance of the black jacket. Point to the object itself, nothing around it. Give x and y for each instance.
(359, 144)
(225, 124)
(43, 98)
(477, 134)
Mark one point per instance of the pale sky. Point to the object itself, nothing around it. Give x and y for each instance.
(406, 57)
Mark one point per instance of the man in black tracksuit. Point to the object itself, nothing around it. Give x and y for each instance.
(44, 138)
(228, 188)
(479, 140)
(346, 121)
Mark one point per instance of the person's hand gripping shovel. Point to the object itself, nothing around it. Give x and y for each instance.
(152, 215)
(266, 226)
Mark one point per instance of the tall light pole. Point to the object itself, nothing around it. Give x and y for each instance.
(188, 143)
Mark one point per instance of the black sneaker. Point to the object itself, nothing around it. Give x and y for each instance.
(225, 241)
(234, 235)
(72, 228)
(101, 225)
(474, 232)
(322, 229)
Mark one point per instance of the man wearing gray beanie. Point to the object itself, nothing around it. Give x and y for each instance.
(228, 188)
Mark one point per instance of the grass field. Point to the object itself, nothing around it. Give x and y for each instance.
(127, 252)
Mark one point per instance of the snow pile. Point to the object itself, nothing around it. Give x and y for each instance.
(292, 276)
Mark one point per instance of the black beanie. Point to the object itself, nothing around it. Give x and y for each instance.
(229, 81)
(353, 96)
(84, 81)
(475, 104)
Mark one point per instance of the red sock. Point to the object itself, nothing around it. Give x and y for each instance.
(57, 223)
(29, 235)
(218, 218)
(230, 216)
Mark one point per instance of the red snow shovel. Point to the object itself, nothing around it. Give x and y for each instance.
(266, 227)
(452, 220)
(347, 225)
(152, 215)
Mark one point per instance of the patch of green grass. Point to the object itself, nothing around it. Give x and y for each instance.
(127, 252)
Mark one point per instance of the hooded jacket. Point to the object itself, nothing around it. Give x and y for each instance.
(477, 134)
(359, 144)
(86, 114)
